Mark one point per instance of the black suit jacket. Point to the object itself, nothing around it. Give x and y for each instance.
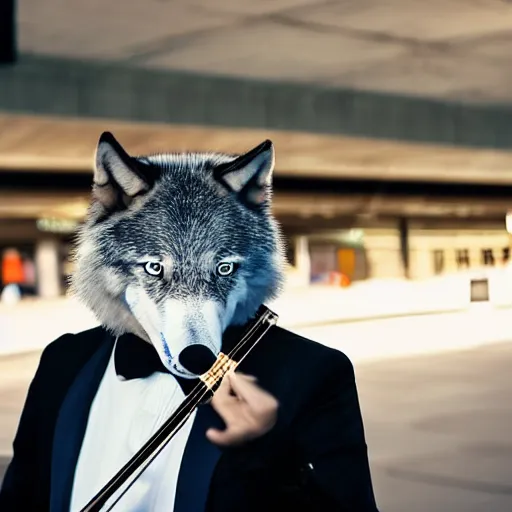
(315, 458)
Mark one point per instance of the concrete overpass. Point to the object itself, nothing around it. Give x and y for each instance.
(368, 91)
(431, 72)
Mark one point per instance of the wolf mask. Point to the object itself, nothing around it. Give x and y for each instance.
(177, 247)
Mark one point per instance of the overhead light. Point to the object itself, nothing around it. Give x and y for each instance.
(352, 236)
(356, 235)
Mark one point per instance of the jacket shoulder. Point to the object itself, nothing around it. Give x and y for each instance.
(306, 351)
(72, 350)
(295, 368)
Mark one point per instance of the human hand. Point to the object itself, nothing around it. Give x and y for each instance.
(247, 410)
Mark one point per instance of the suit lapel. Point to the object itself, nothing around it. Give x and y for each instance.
(198, 463)
(71, 426)
(201, 456)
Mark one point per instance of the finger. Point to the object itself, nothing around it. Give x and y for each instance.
(248, 390)
(224, 393)
(249, 378)
(225, 388)
(222, 402)
(228, 437)
(259, 403)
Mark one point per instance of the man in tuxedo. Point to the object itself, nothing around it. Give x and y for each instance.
(293, 439)
(176, 257)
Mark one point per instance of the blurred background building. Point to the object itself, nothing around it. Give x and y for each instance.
(391, 123)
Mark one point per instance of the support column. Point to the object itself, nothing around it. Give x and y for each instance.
(403, 229)
(48, 268)
(302, 259)
(7, 31)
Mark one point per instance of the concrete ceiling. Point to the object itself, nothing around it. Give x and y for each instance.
(449, 49)
(67, 145)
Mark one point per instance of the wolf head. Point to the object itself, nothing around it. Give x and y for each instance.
(177, 247)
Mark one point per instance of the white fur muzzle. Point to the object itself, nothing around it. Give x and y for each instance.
(175, 324)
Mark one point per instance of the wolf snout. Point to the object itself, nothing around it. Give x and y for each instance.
(197, 359)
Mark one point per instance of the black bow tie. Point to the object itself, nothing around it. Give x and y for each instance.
(135, 358)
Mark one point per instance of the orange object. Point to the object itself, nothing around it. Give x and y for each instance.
(12, 268)
(347, 261)
(339, 279)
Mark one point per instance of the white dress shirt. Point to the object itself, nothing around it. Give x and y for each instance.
(123, 416)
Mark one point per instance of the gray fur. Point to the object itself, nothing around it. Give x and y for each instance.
(189, 219)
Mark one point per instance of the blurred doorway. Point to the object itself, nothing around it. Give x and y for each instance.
(330, 255)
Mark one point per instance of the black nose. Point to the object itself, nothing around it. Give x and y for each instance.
(197, 359)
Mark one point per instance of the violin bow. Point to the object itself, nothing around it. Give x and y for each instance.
(201, 393)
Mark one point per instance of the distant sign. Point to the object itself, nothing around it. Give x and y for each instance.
(479, 290)
(57, 225)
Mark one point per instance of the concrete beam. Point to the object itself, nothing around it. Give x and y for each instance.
(304, 207)
(52, 86)
(31, 143)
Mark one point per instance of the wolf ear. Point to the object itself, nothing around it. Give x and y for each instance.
(250, 175)
(118, 178)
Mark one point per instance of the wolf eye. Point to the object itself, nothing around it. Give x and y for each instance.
(153, 268)
(226, 269)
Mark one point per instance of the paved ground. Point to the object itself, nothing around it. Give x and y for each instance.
(438, 427)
